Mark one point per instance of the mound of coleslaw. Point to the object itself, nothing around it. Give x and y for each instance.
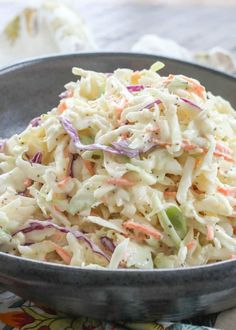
(131, 170)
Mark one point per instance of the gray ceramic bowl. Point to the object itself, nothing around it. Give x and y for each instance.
(30, 88)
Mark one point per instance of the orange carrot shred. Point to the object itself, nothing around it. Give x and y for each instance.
(94, 213)
(168, 79)
(124, 135)
(119, 111)
(63, 182)
(234, 230)
(89, 166)
(161, 143)
(210, 232)
(191, 245)
(170, 194)
(229, 191)
(56, 208)
(120, 182)
(135, 76)
(62, 253)
(28, 182)
(148, 230)
(226, 157)
(62, 106)
(224, 149)
(198, 162)
(153, 129)
(196, 88)
(57, 236)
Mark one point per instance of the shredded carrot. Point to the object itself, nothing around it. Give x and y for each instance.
(56, 208)
(210, 232)
(62, 253)
(169, 194)
(94, 212)
(224, 149)
(135, 76)
(229, 191)
(28, 182)
(119, 111)
(168, 79)
(188, 146)
(234, 230)
(124, 135)
(198, 162)
(191, 245)
(120, 182)
(153, 129)
(143, 229)
(226, 157)
(161, 143)
(89, 166)
(220, 151)
(63, 182)
(57, 236)
(195, 87)
(62, 106)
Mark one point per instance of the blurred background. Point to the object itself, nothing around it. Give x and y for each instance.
(48, 27)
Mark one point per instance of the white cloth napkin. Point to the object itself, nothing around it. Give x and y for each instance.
(49, 28)
(216, 57)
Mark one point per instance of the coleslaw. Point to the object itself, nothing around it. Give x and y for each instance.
(131, 170)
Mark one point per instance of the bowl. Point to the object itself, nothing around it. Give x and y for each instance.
(31, 88)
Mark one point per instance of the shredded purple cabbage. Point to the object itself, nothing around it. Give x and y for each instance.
(135, 88)
(123, 147)
(37, 158)
(107, 243)
(35, 122)
(40, 225)
(190, 103)
(116, 149)
(150, 105)
(63, 95)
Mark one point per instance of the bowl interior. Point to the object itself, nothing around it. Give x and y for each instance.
(31, 88)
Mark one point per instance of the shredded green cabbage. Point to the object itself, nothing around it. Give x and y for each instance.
(131, 170)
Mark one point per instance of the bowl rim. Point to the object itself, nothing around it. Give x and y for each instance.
(216, 266)
(155, 57)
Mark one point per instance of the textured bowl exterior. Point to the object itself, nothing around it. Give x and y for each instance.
(31, 88)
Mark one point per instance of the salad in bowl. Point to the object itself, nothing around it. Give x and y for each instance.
(132, 169)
